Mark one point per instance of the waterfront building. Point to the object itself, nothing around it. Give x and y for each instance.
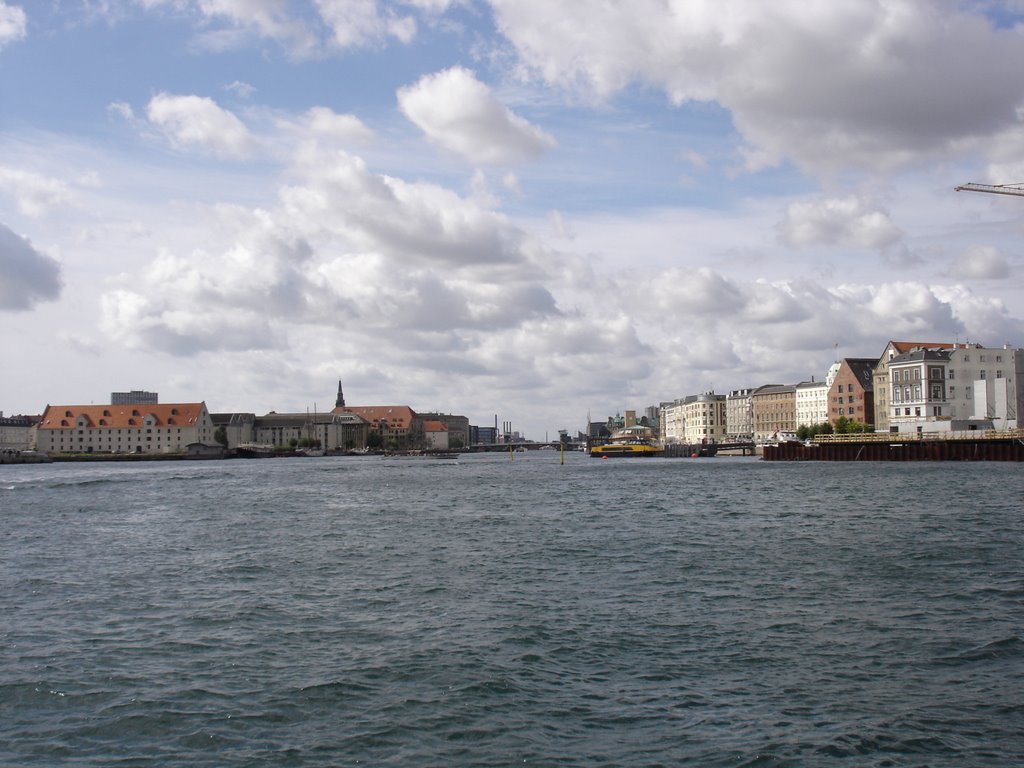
(852, 392)
(131, 428)
(436, 434)
(239, 428)
(483, 435)
(458, 427)
(136, 396)
(671, 424)
(811, 403)
(398, 426)
(334, 431)
(881, 386)
(17, 433)
(694, 419)
(774, 411)
(739, 416)
(967, 386)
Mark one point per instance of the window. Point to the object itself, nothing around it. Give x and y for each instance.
(937, 411)
(917, 411)
(999, 358)
(840, 389)
(999, 374)
(850, 411)
(981, 358)
(917, 374)
(906, 411)
(895, 411)
(982, 375)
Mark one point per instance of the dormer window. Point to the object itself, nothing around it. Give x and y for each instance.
(135, 413)
(106, 412)
(68, 413)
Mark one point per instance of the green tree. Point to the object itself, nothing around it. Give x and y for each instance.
(374, 440)
(221, 436)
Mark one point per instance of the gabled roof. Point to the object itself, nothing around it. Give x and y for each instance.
(863, 368)
(128, 416)
(905, 346)
(434, 426)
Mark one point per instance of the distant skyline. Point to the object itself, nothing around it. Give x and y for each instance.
(529, 209)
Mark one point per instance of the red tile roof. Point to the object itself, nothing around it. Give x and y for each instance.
(128, 416)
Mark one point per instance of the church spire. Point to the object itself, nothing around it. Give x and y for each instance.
(340, 402)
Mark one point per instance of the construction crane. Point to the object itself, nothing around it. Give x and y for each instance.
(995, 189)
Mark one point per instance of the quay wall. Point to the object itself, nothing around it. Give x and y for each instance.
(871, 448)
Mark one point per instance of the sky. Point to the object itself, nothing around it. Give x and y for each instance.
(510, 209)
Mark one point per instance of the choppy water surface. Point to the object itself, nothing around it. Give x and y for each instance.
(721, 612)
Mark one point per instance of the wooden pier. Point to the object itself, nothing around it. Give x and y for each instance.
(1002, 445)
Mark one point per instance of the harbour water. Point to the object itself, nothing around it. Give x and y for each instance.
(496, 611)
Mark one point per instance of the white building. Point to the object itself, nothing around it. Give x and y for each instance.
(812, 402)
(966, 386)
(130, 428)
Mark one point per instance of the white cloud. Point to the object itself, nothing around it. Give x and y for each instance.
(27, 276)
(33, 193)
(13, 23)
(847, 221)
(242, 88)
(356, 23)
(198, 121)
(346, 128)
(458, 112)
(981, 263)
(828, 86)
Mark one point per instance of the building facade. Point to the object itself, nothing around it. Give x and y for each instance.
(436, 434)
(852, 392)
(458, 427)
(811, 403)
(132, 428)
(136, 396)
(739, 416)
(331, 431)
(774, 411)
(17, 433)
(881, 388)
(397, 426)
(967, 386)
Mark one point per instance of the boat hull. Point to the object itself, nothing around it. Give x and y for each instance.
(623, 451)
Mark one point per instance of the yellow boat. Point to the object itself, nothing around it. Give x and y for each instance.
(631, 442)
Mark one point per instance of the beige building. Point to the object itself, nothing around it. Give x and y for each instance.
(130, 428)
(17, 433)
(436, 435)
(774, 411)
(694, 419)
